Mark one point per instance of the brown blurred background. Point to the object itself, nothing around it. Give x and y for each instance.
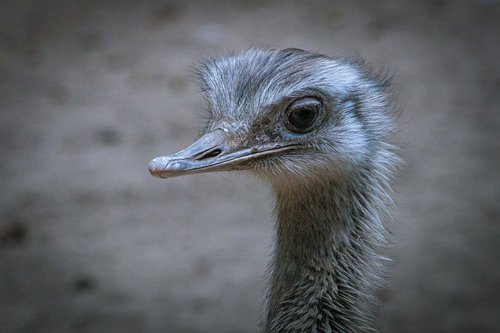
(90, 91)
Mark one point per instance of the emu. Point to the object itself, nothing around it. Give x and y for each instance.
(318, 129)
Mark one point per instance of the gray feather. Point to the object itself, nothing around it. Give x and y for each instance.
(332, 198)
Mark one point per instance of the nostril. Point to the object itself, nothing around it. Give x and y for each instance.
(210, 154)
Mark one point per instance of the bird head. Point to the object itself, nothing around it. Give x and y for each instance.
(284, 114)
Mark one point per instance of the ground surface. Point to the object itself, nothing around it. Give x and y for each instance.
(91, 90)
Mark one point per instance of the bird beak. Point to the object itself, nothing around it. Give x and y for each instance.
(215, 151)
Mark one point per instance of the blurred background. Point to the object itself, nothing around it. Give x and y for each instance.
(90, 91)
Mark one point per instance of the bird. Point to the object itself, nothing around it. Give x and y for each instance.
(319, 130)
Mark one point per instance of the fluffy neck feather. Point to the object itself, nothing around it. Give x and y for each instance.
(325, 264)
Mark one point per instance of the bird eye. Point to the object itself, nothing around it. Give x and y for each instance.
(302, 114)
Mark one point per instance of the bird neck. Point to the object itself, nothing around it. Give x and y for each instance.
(325, 263)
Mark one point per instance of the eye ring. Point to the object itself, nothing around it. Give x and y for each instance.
(301, 115)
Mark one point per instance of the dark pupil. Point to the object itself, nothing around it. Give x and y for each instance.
(302, 118)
